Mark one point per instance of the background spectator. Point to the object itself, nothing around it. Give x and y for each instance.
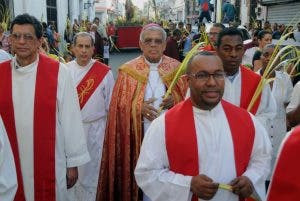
(297, 33)
(228, 12)
(204, 5)
(277, 34)
(172, 49)
(4, 42)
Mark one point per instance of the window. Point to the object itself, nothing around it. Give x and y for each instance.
(52, 11)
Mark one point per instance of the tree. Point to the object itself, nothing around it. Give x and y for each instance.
(129, 10)
(155, 9)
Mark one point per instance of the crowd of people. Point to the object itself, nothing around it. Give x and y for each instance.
(69, 131)
(52, 45)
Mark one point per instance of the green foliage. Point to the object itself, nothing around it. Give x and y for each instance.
(129, 10)
(134, 22)
(5, 17)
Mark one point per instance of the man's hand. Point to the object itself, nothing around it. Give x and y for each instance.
(72, 176)
(148, 111)
(167, 103)
(242, 186)
(203, 187)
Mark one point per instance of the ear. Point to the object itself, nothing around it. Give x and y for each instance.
(40, 41)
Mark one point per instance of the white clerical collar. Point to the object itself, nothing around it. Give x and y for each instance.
(215, 110)
(28, 67)
(90, 63)
(153, 66)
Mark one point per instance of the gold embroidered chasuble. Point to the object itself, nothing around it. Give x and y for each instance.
(124, 131)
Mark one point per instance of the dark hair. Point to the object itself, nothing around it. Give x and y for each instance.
(228, 32)
(28, 19)
(255, 33)
(44, 24)
(96, 18)
(262, 34)
(177, 32)
(200, 25)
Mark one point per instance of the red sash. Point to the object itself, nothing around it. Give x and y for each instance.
(90, 82)
(285, 180)
(249, 83)
(44, 126)
(185, 160)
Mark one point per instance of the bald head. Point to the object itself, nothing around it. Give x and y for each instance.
(200, 54)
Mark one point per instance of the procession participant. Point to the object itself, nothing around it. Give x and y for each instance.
(285, 179)
(41, 115)
(213, 36)
(136, 99)
(8, 176)
(282, 88)
(234, 151)
(241, 82)
(94, 82)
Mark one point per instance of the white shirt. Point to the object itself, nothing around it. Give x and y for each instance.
(216, 158)
(282, 92)
(4, 56)
(106, 52)
(297, 35)
(94, 116)
(295, 99)
(8, 176)
(248, 55)
(267, 107)
(70, 146)
(155, 88)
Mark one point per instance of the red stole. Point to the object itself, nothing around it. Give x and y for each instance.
(44, 126)
(90, 82)
(185, 160)
(249, 83)
(285, 180)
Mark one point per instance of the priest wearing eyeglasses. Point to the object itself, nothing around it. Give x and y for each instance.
(136, 99)
(204, 142)
(40, 112)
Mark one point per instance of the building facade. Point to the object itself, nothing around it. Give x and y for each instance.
(109, 10)
(281, 11)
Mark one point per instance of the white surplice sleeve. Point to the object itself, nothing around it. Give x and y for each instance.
(70, 123)
(260, 161)
(295, 99)
(288, 86)
(107, 92)
(152, 172)
(8, 177)
(267, 108)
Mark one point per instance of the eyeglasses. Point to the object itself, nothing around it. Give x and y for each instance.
(204, 76)
(149, 41)
(26, 37)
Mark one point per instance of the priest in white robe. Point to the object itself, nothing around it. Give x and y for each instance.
(94, 112)
(159, 172)
(240, 82)
(8, 177)
(26, 101)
